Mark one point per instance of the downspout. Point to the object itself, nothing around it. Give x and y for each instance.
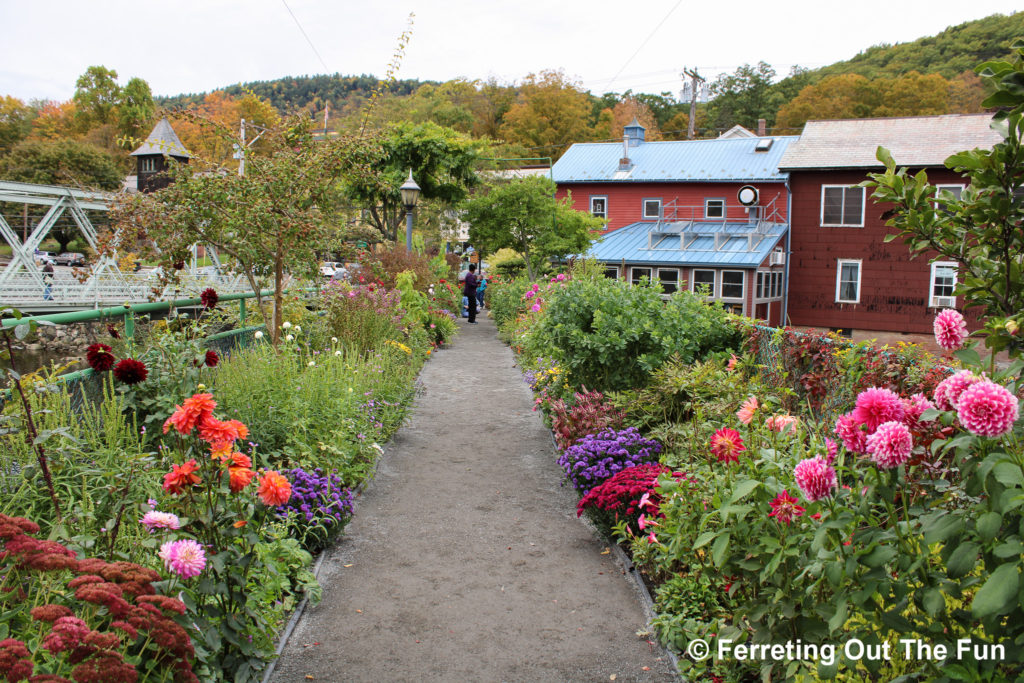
(789, 233)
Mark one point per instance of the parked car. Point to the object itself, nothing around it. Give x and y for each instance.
(70, 258)
(327, 268)
(43, 256)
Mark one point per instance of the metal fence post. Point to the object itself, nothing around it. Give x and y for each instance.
(241, 312)
(129, 325)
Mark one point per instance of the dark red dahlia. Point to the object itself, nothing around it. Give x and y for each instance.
(209, 297)
(112, 331)
(99, 357)
(212, 359)
(130, 371)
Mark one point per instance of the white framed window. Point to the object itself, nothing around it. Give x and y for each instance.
(955, 190)
(842, 206)
(611, 272)
(669, 279)
(636, 274)
(599, 206)
(714, 208)
(942, 285)
(148, 165)
(703, 278)
(762, 284)
(848, 281)
(652, 208)
(776, 287)
(732, 284)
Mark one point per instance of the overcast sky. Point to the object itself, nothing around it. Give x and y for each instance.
(183, 46)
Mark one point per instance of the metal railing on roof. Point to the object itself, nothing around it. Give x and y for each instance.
(761, 221)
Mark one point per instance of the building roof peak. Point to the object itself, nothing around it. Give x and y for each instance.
(162, 140)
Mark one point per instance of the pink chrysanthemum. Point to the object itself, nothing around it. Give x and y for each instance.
(947, 394)
(849, 432)
(831, 450)
(785, 508)
(746, 411)
(987, 409)
(890, 445)
(875, 406)
(950, 329)
(185, 558)
(913, 408)
(815, 478)
(153, 520)
(727, 444)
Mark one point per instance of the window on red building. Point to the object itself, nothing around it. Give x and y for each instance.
(599, 206)
(842, 206)
(848, 281)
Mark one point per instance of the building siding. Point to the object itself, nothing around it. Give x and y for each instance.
(894, 293)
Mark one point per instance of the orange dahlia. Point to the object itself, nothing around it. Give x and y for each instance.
(181, 477)
(190, 413)
(240, 477)
(274, 489)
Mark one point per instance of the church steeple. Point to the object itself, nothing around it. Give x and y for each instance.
(151, 156)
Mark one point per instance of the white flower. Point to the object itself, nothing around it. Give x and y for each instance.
(311, 363)
(334, 340)
(286, 325)
(258, 335)
(337, 353)
(289, 338)
(297, 329)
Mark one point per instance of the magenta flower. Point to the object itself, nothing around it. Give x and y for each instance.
(831, 451)
(890, 445)
(913, 408)
(987, 409)
(785, 508)
(160, 520)
(849, 432)
(875, 406)
(815, 478)
(947, 394)
(535, 307)
(950, 329)
(185, 558)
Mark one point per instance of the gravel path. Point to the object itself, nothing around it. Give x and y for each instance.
(465, 560)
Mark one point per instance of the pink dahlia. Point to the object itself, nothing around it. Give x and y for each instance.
(875, 406)
(782, 423)
(815, 478)
(746, 411)
(950, 329)
(890, 445)
(160, 520)
(987, 409)
(831, 450)
(727, 444)
(947, 394)
(785, 508)
(185, 558)
(913, 408)
(849, 431)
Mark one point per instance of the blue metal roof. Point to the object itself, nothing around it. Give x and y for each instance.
(631, 243)
(683, 160)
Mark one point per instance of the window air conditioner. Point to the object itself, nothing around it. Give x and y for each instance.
(943, 302)
(777, 258)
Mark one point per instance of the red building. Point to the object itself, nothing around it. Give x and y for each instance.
(690, 214)
(842, 273)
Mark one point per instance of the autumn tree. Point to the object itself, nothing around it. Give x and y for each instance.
(225, 111)
(523, 214)
(622, 115)
(274, 220)
(550, 113)
(15, 122)
(442, 164)
(54, 120)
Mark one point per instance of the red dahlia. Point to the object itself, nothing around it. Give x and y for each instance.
(99, 357)
(212, 359)
(209, 297)
(130, 371)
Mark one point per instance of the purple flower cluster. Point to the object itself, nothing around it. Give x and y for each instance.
(319, 507)
(595, 458)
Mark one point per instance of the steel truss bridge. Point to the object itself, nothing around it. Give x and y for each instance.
(22, 282)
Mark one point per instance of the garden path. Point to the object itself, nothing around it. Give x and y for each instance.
(465, 560)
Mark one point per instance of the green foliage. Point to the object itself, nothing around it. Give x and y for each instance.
(63, 162)
(15, 122)
(506, 303)
(980, 231)
(96, 96)
(523, 214)
(610, 336)
(742, 97)
(285, 580)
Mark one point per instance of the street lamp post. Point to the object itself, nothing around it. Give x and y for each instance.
(410, 194)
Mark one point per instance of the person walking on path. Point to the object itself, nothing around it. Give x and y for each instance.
(481, 287)
(48, 281)
(464, 560)
(469, 291)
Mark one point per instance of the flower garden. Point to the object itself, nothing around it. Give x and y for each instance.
(163, 530)
(775, 487)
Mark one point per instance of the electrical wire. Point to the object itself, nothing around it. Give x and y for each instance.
(304, 35)
(651, 35)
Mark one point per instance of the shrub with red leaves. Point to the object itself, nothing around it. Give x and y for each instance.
(622, 492)
(130, 371)
(587, 414)
(99, 357)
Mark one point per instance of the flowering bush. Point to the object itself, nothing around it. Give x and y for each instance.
(84, 619)
(588, 413)
(319, 508)
(362, 316)
(595, 458)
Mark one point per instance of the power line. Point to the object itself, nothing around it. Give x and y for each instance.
(327, 69)
(651, 35)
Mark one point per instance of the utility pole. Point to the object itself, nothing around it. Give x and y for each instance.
(695, 78)
(240, 149)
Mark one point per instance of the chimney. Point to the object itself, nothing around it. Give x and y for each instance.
(624, 163)
(762, 128)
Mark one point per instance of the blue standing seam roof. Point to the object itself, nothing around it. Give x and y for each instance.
(733, 160)
(630, 243)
